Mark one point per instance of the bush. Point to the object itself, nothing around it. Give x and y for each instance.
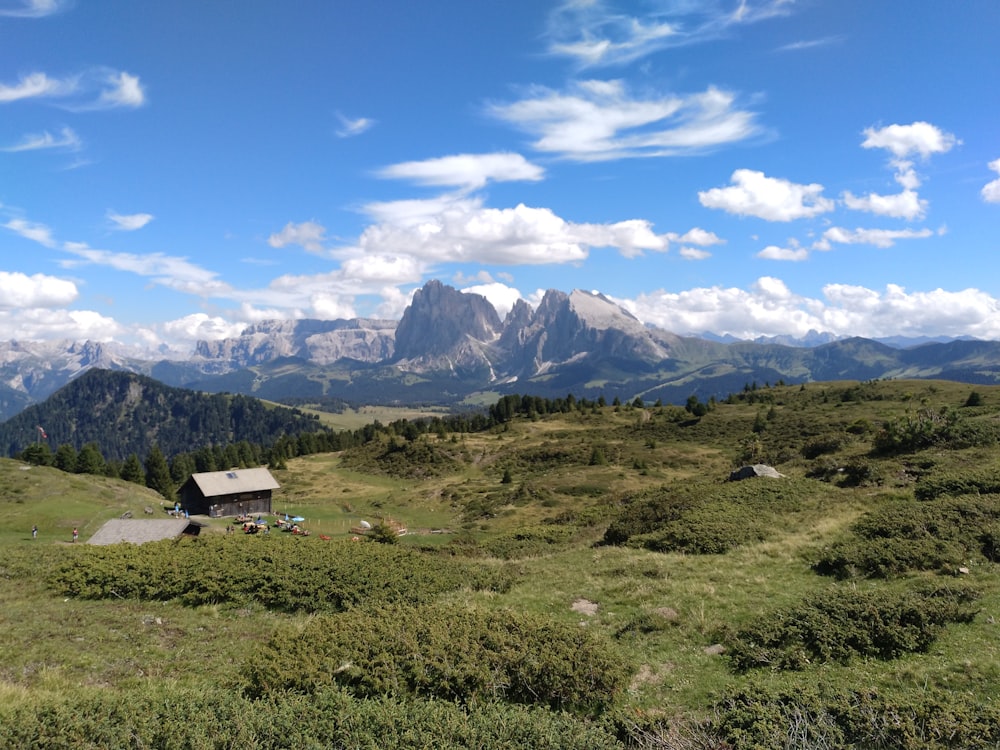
(938, 535)
(844, 622)
(754, 717)
(184, 718)
(279, 573)
(438, 651)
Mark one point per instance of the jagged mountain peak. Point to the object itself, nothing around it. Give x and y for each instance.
(442, 322)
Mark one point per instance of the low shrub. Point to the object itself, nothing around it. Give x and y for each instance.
(186, 718)
(754, 717)
(279, 573)
(438, 651)
(910, 536)
(844, 622)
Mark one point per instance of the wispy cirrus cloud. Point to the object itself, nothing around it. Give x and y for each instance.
(350, 127)
(466, 171)
(93, 89)
(66, 139)
(32, 231)
(805, 44)
(37, 85)
(128, 222)
(601, 120)
(876, 237)
(32, 8)
(601, 33)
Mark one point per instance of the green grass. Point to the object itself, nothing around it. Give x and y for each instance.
(664, 611)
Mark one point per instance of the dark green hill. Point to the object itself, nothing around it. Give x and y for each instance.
(124, 413)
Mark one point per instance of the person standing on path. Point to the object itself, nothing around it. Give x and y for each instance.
(75, 533)
(34, 532)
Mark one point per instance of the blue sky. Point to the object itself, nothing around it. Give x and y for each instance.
(176, 171)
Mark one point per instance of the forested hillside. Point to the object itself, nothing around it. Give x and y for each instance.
(123, 414)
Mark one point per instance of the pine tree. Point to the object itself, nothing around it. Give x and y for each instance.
(132, 470)
(158, 474)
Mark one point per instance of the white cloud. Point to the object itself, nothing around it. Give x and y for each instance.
(169, 271)
(793, 253)
(904, 205)
(40, 324)
(35, 85)
(350, 127)
(200, 327)
(308, 234)
(876, 237)
(693, 253)
(468, 171)
(65, 139)
(593, 33)
(31, 8)
(770, 198)
(29, 230)
(697, 236)
(991, 190)
(122, 90)
(17, 290)
(93, 89)
(501, 296)
(601, 120)
(467, 232)
(769, 308)
(129, 222)
(810, 44)
(920, 138)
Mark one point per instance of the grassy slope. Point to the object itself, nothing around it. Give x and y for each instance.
(56, 644)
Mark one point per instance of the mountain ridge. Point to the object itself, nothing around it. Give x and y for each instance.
(450, 346)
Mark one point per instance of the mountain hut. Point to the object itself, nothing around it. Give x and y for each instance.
(235, 492)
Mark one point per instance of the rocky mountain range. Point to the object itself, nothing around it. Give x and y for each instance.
(452, 347)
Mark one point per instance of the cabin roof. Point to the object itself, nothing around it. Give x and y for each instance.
(234, 481)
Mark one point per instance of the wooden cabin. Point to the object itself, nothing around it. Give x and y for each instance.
(235, 492)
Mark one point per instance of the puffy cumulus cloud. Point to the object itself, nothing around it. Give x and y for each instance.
(792, 253)
(66, 140)
(468, 171)
(31, 231)
(697, 236)
(350, 127)
(901, 141)
(382, 269)
(904, 205)
(416, 211)
(332, 307)
(601, 120)
(755, 194)
(31, 8)
(39, 324)
(199, 327)
(876, 237)
(467, 232)
(17, 290)
(693, 253)
(309, 235)
(770, 308)
(501, 296)
(128, 222)
(595, 32)
(991, 190)
(895, 311)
